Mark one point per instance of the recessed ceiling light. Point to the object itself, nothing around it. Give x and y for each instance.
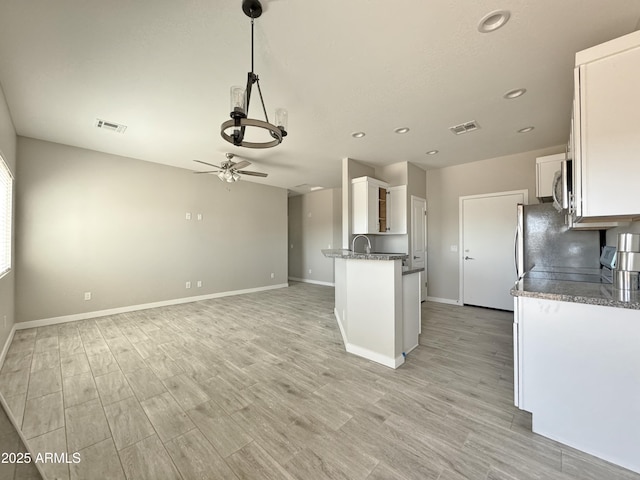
(525, 129)
(313, 189)
(493, 21)
(358, 134)
(432, 152)
(401, 130)
(515, 93)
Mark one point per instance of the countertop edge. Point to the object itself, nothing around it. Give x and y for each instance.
(413, 270)
(349, 255)
(604, 299)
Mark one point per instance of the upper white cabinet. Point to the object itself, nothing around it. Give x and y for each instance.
(546, 168)
(606, 131)
(377, 207)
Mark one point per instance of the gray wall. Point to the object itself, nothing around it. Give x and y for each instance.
(312, 224)
(444, 188)
(612, 235)
(115, 226)
(7, 283)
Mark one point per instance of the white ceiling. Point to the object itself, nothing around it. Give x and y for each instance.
(164, 68)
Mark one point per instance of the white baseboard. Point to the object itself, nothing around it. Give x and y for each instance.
(375, 357)
(133, 308)
(444, 300)
(7, 343)
(315, 282)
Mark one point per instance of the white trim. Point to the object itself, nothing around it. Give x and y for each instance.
(5, 348)
(365, 352)
(315, 282)
(132, 308)
(461, 199)
(375, 357)
(448, 301)
(342, 332)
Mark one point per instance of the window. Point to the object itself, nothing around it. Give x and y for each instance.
(6, 196)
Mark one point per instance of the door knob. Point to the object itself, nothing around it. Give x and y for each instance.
(469, 258)
(415, 258)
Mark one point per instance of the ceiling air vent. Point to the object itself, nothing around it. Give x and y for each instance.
(111, 126)
(465, 127)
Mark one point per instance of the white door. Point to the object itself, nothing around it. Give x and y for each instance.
(419, 240)
(488, 225)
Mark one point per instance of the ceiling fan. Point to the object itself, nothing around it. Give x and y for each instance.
(230, 171)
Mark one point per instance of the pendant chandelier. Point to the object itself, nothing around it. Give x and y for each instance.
(233, 131)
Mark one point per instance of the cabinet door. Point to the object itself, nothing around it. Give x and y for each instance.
(575, 210)
(397, 209)
(546, 168)
(610, 135)
(364, 208)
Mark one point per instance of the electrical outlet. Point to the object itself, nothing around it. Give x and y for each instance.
(199, 284)
(309, 270)
(187, 216)
(187, 285)
(87, 295)
(199, 216)
(273, 275)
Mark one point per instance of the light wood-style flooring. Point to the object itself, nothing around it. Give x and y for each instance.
(259, 386)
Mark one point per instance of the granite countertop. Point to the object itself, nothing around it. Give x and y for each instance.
(348, 254)
(577, 292)
(412, 270)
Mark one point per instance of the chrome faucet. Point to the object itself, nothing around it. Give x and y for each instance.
(367, 248)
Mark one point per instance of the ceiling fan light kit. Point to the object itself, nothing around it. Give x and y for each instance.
(234, 130)
(230, 171)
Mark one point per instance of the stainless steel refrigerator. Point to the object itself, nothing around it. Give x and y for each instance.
(544, 243)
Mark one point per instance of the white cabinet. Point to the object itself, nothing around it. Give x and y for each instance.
(606, 166)
(365, 193)
(378, 208)
(546, 168)
(577, 371)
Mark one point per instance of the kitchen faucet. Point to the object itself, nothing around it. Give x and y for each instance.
(367, 248)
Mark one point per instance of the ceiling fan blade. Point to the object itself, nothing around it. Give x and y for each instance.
(210, 171)
(253, 174)
(210, 164)
(241, 164)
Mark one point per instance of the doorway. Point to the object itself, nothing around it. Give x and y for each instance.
(487, 238)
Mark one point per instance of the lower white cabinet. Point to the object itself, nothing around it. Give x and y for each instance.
(576, 370)
(410, 311)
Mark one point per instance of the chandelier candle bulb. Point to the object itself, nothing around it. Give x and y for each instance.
(282, 119)
(237, 100)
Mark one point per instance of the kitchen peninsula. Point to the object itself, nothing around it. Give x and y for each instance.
(377, 304)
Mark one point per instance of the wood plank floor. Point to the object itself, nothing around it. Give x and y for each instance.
(259, 386)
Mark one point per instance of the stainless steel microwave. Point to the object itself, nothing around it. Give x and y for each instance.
(562, 186)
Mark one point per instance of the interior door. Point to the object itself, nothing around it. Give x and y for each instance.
(419, 240)
(488, 266)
